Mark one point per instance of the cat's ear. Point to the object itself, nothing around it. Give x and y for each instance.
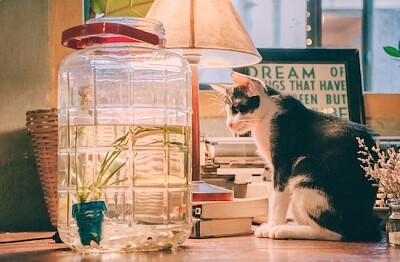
(225, 90)
(246, 81)
(240, 79)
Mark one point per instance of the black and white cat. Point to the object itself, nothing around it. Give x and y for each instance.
(313, 157)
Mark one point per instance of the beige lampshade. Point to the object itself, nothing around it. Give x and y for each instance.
(212, 26)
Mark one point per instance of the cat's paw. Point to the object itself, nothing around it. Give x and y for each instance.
(262, 230)
(273, 231)
(279, 232)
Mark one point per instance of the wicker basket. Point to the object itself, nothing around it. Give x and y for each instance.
(42, 126)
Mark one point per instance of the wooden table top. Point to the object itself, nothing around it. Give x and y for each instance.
(240, 248)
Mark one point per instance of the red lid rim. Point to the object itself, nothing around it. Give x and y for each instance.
(81, 36)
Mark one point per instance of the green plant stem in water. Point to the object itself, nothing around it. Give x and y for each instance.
(107, 166)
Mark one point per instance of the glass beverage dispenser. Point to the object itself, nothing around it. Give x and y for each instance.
(124, 138)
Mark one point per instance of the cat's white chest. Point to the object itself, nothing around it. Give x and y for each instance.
(262, 133)
(262, 137)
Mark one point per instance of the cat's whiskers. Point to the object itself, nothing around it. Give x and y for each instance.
(216, 108)
(250, 120)
(217, 103)
(217, 97)
(243, 124)
(247, 121)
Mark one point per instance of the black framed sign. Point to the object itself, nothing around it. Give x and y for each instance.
(326, 80)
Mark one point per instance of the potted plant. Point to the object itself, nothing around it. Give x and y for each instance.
(89, 209)
(383, 168)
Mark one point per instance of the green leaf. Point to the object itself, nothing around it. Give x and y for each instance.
(390, 50)
(112, 173)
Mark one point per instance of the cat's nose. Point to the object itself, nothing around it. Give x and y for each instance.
(230, 124)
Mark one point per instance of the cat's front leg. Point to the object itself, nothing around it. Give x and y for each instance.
(278, 206)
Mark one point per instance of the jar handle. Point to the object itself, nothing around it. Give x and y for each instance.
(80, 36)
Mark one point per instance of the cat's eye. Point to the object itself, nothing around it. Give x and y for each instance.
(239, 109)
(235, 110)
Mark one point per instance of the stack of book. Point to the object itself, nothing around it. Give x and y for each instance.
(217, 213)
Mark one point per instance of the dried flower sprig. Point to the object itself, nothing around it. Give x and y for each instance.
(384, 168)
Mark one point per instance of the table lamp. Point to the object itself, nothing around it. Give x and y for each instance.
(208, 33)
